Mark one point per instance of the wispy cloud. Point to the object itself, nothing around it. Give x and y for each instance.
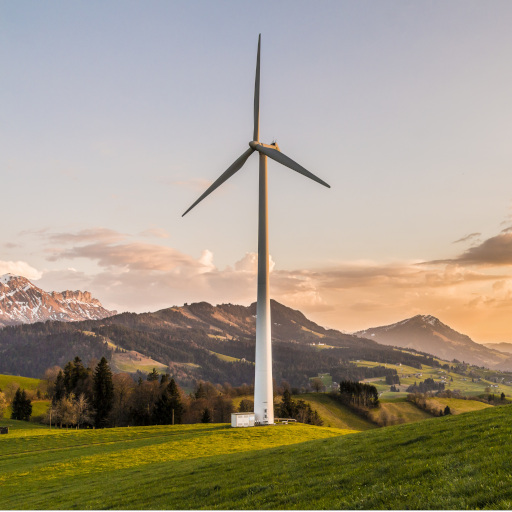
(154, 233)
(467, 238)
(87, 235)
(495, 251)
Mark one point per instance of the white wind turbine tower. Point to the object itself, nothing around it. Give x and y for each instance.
(263, 395)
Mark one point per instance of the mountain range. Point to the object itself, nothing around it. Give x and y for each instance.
(216, 343)
(22, 302)
(427, 333)
(198, 341)
(502, 347)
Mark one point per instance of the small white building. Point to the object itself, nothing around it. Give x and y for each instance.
(242, 419)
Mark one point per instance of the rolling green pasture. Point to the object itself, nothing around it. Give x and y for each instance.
(335, 414)
(223, 357)
(39, 409)
(124, 363)
(408, 374)
(458, 406)
(44, 469)
(452, 462)
(396, 412)
(23, 382)
(20, 425)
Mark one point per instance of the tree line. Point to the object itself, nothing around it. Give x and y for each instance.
(358, 394)
(83, 397)
(296, 409)
(428, 384)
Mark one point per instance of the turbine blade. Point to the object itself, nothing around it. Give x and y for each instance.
(232, 169)
(288, 162)
(256, 135)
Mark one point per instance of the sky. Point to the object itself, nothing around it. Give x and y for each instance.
(116, 115)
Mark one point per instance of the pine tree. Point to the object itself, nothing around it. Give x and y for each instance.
(162, 413)
(103, 393)
(206, 417)
(200, 391)
(175, 401)
(21, 406)
(60, 388)
(153, 376)
(246, 406)
(169, 408)
(287, 408)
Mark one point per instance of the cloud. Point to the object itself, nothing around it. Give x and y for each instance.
(249, 263)
(140, 276)
(496, 251)
(87, 235)
(19, 268)
(65, 279)
(467, 237)
(136, 256)
(155, 233)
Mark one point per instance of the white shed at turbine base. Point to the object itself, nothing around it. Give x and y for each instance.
(242, 419)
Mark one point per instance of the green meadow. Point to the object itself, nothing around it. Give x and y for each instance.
(22, 382)
(335, 414)
(409, 375)
(452, 462)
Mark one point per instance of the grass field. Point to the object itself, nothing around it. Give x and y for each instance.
(335, 414)
(223, 357)
(408, 375)
(397, 412)
(39, 409)
(453, 462)
(43, 468)
(23, 382)
(132, 361)
(458, 406)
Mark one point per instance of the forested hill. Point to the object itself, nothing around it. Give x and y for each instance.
(199, 341)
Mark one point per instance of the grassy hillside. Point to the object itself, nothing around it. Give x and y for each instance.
(397, 412)
(335, 414)
(458, 406)
(74, 469)
(39, 409)
(453, 462)
(22, 382)
(409, 375)
(23, 426)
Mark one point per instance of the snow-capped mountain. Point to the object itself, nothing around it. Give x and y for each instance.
(21, 302)
(427, 333)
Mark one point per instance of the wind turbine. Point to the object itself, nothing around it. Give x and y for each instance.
(263, 395)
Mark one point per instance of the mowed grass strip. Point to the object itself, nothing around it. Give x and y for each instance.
(453, 462)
